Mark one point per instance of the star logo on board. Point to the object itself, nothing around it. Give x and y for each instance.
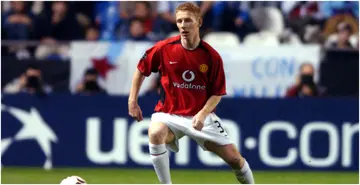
(33, 127)
(102, 66)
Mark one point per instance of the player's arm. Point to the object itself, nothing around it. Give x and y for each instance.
(211, 104)
(199, 118)
(134, 108)
(218, 85)
(217, 89)
(137, 81)
(147, 64)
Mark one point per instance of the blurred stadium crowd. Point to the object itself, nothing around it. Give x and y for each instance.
(294, 22)
(43, 30)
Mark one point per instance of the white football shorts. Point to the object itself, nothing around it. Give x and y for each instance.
(181, 125)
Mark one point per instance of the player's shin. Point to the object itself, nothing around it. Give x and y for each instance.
(244, 175)
(161, 162)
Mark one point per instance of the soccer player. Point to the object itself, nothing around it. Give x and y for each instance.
(193, 82)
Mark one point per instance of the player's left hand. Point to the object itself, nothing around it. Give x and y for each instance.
(198, 120)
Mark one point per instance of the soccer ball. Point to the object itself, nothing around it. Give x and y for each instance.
(73, 180)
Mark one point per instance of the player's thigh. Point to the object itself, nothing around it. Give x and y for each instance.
(228, 153)
(160, 132)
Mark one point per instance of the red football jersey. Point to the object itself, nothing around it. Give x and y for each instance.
(188, 77)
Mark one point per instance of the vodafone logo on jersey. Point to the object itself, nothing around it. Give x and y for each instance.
(188, 76)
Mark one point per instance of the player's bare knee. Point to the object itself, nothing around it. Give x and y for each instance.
(157, 136)
(157, 133)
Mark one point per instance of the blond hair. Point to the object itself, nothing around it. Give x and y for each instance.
(191, 7)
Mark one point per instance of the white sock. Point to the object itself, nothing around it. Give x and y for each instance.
(161, 162)
(244, 175)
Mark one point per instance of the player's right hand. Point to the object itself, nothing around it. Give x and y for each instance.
(135, 111)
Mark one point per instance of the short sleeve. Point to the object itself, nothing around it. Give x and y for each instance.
(218, 86)
(150, 61)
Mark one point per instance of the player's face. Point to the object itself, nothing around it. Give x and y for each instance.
(187, 23)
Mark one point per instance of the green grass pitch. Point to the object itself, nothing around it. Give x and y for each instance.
(147, 176)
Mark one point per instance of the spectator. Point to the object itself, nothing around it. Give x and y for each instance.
(18, 22)
(239, 14)
(137, 31)
(61, 25)
(90, 86)
(334, 12)
(92, 34)
(305, 85)
(142, 14)
(343, 37)
(303, 17)
(113, 17)
(29, 82)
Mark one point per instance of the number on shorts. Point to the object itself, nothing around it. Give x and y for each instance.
(219, 126)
